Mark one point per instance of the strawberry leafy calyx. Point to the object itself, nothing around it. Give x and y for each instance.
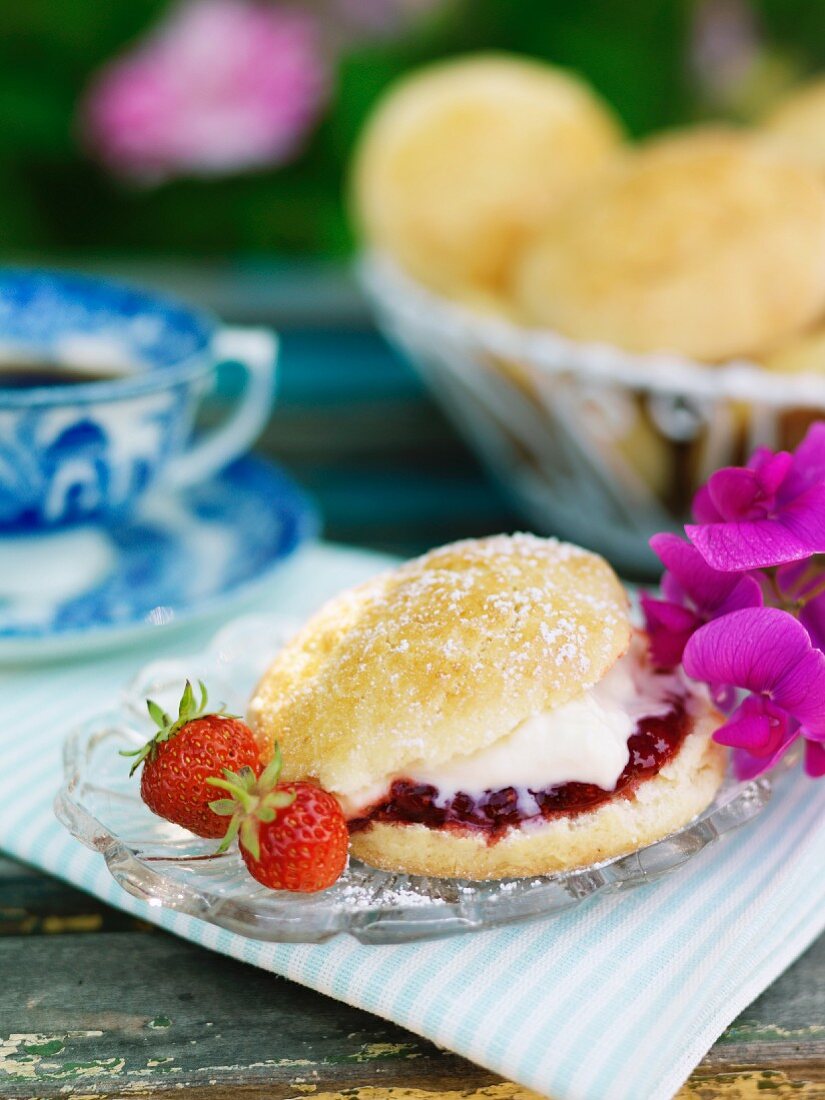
(251, 800)
(189, 709)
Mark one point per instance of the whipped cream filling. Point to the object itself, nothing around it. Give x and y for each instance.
(582, 741)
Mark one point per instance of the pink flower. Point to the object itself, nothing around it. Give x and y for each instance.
(768, 513)
(760, 734)
(381, 17)
(219, 86)
(759, 537)
(694, 594)
(766, 652)
(803, 583)
(812, 617)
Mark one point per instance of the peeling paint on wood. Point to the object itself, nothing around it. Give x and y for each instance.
(761, 1085)
(28, 1057)
(79, 922)
(369, 1052)
(25, 1056)
(127, 1016)
(747, 1031)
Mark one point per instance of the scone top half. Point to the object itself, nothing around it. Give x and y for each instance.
(440, 658)
(460, 705)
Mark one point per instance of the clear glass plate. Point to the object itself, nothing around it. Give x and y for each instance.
(161, 863)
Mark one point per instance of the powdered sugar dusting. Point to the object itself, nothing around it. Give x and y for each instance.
(443, 654)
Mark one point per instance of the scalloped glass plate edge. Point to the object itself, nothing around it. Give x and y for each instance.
(372, 906)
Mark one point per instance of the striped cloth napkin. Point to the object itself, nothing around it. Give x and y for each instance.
(616, 1000)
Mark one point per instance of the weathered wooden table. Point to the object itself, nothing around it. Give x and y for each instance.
(95, 1004)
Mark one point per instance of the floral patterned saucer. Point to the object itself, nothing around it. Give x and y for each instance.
(181, 556)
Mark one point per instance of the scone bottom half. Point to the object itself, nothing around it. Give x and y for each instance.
(488, 711)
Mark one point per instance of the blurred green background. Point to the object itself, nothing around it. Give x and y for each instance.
(352, 421)
(641, 54)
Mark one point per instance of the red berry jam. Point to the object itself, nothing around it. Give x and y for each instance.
(654, 742)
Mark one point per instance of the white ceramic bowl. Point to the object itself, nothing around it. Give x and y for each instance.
(595, 444)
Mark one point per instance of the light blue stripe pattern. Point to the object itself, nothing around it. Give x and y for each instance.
(617, 1000)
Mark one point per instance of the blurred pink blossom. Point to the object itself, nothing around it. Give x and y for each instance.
(380, 18)
(724, 46)
(219, 86)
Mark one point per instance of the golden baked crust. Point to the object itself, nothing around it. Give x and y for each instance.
(698, 243)
(440, 657)
(659, 806)
(463, 160)
(795, 128)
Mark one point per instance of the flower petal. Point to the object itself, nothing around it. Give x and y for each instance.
(672, 590)
(706, 588)
(216, 86)
(760, 734)
(766, 651)
(669, 626)
(750, 544)
(703, 508)
(753, 649)
(747, 592)
(747, 766)
(804, 518)
(772, 470)
(760, 458)
(814, 759)
(791, 578)
(759, 726)
(802, 691)
(812, 617)
(809, 459)
(724, 697)
(735, 491)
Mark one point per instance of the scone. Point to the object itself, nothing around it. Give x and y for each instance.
(486, 711)
(698, 243)
(805, 354)
(795, 128)
(463, 161)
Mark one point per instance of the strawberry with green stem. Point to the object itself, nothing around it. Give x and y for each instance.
(184, 753)
(292, 836)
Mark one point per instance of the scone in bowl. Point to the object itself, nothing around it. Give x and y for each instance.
(167, 866)
(600, 446)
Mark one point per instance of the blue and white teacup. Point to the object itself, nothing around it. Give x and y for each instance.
(109, 410)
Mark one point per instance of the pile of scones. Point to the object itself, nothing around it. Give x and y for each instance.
(508, 185)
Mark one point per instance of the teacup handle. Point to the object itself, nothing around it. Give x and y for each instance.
(256, 350)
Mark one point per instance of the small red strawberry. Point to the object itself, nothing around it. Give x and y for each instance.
(292, 836)
(184, 753)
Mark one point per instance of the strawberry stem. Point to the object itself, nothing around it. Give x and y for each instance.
(223, 807)
(238, 793)
(272, 771)
(251, 801)
(231, 833)
(250, 837)
(189, 709)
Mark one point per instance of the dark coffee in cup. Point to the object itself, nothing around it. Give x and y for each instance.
(34, 375)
